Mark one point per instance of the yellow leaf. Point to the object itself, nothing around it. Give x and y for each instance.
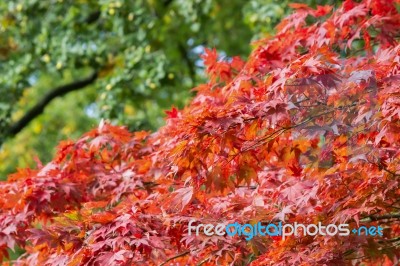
(73, 215)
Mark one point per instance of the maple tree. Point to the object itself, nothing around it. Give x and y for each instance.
(305, 131)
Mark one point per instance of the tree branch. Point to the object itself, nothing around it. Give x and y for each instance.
(381, 217)
(189, 63)
(93, 17)
(389, 240)
(175, 257)
(167, 3)
(39, 107)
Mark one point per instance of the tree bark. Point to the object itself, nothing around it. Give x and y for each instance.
(39, 107)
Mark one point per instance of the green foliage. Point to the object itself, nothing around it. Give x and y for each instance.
(146, 54)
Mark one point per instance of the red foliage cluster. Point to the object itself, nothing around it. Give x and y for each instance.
(307, 131)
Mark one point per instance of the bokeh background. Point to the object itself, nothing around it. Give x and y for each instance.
(66, 64)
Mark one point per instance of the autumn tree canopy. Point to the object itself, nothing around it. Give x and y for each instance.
(306, 130)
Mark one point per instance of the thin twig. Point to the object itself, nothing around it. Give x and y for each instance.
(175, 257)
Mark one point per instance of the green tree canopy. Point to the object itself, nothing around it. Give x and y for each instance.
(134, 59)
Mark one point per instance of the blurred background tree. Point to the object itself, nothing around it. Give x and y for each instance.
(66, 64)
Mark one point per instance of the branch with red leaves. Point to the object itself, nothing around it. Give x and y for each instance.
(306, 131)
